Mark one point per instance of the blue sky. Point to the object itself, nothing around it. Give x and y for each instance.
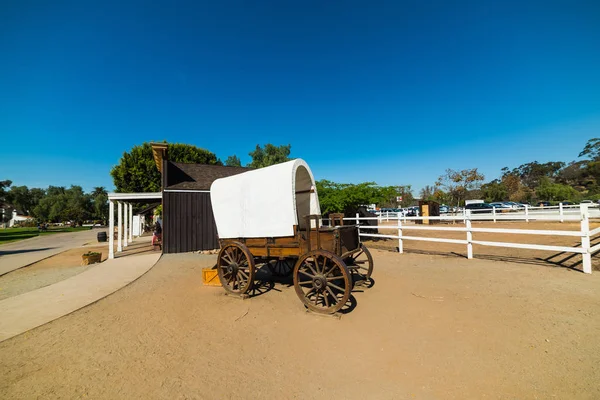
(393, 92)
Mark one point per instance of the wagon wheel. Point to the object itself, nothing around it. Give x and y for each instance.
(322, 281)
(236, 268)
(361, 263)
(281, 268)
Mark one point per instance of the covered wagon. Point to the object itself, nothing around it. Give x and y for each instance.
(271, 217)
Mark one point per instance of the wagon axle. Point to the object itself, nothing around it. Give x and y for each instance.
(320, 283)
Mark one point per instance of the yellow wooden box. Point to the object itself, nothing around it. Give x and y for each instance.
(210, 277)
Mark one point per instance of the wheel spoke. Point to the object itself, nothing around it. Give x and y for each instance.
(332, 294)
(307, 294)
(335, 286)
(331, 270)
(334, 278)
(241, 280)
(243, 274)
(226, 257)
(311, 269)
(325, 297)
(305, 282)
(317, 298)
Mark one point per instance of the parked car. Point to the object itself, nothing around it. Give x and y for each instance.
(478, 208)
(412, 211)
(567, 203)
(587, 202)
(543, 204)
(444, 209)
(500, 205)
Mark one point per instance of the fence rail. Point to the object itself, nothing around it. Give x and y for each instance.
(584, 232)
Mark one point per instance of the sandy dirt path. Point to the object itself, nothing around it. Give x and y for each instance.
(432, 327)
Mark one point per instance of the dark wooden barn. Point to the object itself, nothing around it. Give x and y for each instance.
(188, 221)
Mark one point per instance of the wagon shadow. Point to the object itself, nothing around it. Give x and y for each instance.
(349, 306)
(262, 284)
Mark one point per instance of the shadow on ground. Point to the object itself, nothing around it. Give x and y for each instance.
(7, 252)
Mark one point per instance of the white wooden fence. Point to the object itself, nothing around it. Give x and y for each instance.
(583, 216)
(559, 210)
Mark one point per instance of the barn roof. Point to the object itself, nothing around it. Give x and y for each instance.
(183, 176)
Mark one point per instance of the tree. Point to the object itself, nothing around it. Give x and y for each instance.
(591, 150)
(269, 155)
(4, 195)
(99, 198)
(346, 198)
(427, 192)
(233, 161)
(458, 183)
(21, 198)
(137, 172)
(555, 191)
(391, 193)
(531, 173)
(494, 191)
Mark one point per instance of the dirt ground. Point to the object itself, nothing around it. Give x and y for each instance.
(432, 327)
(46, 272)
(538, 257)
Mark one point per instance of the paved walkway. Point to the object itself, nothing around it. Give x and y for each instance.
(29, 310)
(24, 252)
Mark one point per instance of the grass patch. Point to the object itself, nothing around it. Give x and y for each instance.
(14, 234)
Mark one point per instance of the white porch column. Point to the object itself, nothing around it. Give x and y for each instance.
(111, 229)
(119, 226)
(125, 219)
(130, 222)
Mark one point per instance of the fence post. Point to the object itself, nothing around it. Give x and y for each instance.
(585, 239)
(357, 219)
(387, 216)
(469, 234)
(400, 245)
(526, 213)
(494, 213)
(560, 211)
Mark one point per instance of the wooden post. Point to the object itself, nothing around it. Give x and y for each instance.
(526, 213)
(119, 226)
(125, 220)
(585, 239)
(111, 229)
(400, 245)
(357, 219)
(560, 210)
(469, 235)
(494, 213)
(130, 222)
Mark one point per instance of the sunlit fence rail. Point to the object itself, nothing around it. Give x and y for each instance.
(406, 224)
(525, 213)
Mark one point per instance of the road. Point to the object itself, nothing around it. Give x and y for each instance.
(19, 254)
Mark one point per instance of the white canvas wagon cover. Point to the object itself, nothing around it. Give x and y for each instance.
(265, 202)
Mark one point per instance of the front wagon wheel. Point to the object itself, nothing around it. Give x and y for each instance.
(322, 281)
(235, 266)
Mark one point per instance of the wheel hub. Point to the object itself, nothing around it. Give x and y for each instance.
(232, 268)
(319, 283)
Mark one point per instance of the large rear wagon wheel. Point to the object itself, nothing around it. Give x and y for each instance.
(361, 263)
(322, 281)
(235, 265)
